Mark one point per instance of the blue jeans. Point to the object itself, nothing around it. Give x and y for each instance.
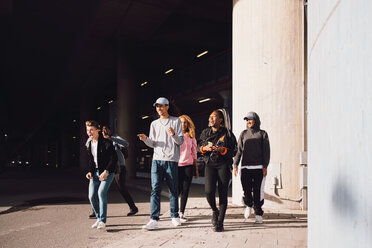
(98, 195)
(159, 170)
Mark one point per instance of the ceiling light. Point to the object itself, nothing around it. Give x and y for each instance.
(145, 117)
(201, 54)
(74, 137)
(144, 83)
(111, 101)
(98, 108)
(169, 71)
(73, 121)
(205, 100)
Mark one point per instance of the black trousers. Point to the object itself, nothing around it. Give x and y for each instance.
(184, 181)
(120, 182)
(217, 174)
(253, 180)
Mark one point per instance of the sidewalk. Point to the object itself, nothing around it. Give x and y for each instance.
(285, 228)
(39, 209)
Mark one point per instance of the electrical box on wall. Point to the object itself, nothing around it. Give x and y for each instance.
(274, 173)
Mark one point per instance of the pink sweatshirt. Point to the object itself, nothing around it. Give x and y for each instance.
(187, 150)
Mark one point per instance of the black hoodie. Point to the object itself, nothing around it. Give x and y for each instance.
(253, 145)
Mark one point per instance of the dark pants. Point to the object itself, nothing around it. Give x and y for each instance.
(220, 174)
(253, 180)
(184, 181)
(120, 182)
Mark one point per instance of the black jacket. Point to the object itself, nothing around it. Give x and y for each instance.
(253, 146)
(106, 156)
(222, 137)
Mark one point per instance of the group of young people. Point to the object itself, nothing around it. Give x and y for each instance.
(175, 154)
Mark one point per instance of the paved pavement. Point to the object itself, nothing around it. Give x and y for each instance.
(49, 209)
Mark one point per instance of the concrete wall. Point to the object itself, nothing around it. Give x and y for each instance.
(340, 120)
(268, 77)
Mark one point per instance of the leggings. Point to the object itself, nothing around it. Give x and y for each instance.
(221, 174)
(184, 181)
(120, 182)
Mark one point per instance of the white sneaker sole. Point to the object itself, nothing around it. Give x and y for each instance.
(146, 228)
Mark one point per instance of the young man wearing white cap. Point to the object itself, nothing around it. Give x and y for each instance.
(165, 137)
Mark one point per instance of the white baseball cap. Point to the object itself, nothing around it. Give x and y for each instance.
(161, 101)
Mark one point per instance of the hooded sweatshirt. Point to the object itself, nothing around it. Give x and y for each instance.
(253, 146)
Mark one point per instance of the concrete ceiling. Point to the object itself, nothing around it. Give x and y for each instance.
(57, 51)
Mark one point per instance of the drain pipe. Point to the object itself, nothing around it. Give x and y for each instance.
(275, 191)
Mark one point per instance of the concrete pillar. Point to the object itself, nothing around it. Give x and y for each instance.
(126, 106)
(268, 78)
(84, 116)
(65, 148)
(340, 117)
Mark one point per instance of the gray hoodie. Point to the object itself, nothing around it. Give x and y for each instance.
(253, 146)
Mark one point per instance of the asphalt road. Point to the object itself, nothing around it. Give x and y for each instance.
(50, 209)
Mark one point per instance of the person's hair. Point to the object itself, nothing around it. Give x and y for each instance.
(222, 113)
(92, 123)
(190, 126)
(106, 131)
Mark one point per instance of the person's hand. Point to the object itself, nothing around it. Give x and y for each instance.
(89, 175)
(103, 176)
(142, 137)
(219, 149)
(171, 131)
(236, 170)
(207, 148)
(264, 172)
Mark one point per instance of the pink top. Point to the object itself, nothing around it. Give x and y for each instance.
(188, 151)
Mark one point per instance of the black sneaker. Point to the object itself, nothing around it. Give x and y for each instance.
(218, 227)
(92, 215)
(215, 217)
(133, 211)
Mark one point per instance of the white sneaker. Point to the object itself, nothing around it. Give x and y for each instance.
(95, 224)
(258, 219)
(153, 224)
(101, 225)
(247, 212)
(183, 218)
(176, 221)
